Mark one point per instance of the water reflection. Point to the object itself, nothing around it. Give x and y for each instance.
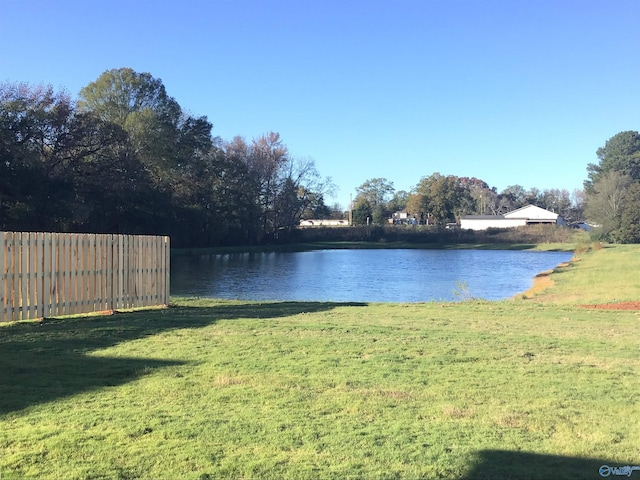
(361, 275)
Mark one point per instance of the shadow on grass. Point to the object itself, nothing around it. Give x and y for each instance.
(506, 465)
(43, 361)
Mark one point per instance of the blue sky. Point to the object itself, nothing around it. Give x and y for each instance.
(509, 91)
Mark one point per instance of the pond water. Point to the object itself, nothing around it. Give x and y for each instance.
(402, 275)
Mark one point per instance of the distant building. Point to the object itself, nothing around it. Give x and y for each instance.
(324, 223)
(399, 218)
(403, 218)
(529, 215)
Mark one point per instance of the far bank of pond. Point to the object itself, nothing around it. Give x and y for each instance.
(310, 246)
(363, 275)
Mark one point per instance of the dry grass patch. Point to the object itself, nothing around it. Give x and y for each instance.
(511, 420)
(227, 380)
(457, 413)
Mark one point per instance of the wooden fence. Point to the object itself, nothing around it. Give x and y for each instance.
(53, 274)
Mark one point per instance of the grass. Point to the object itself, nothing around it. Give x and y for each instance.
(530, 388)
(602, 275)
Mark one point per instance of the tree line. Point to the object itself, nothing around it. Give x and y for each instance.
(613, 189)
(439, 199)
(610, 201)
(124, 157)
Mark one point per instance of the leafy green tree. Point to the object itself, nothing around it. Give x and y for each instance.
(621, 153)
(629, 231)
(111, 189)
(398, 202)
(610, 182)
(32, 127)
(415, 204)
(445, 198)
(221, 207)
(161, 134)
(167, 142)
(605, 202)
(125, 97)
(129, 160)
(376, 193)
(516, 196)
(483, 197)
(362, 212)
(317, 208)
(533, 196)
(65, 170)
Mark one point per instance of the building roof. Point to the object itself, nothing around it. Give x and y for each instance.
(483, 217)
(528, 212)
(531, 212)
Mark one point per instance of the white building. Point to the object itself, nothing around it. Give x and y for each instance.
(324, 223)
(529, 215)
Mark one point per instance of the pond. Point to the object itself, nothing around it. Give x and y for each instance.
(402, 275)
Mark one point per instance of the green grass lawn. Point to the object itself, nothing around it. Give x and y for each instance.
(523, 389)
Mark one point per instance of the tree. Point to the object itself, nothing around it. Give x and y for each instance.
(362, 212)
(621, 153)
(533, 196)
(265, 158)
(125, 97)
(556, 200)
(337, 212)
(415, 204)
(125, 158)
(605, 202)
(514, 197)
(61, 170)
(161, 134)
(578, 204)
(494, 203)
(484, 198)
(308, 191)
(376, 191)
(399, 201)
(629, 231)
(317, 208)
(110, 187)
(284, 187)
(169, 143)
(32, 121)
(445, 198)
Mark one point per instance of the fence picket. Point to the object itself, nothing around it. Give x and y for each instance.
(17, 283)
(4, 299)
(67, 277)
(48, 294)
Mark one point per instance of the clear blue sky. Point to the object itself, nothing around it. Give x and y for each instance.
(509, 91)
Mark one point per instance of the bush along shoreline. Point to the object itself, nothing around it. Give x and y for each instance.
(538, 237)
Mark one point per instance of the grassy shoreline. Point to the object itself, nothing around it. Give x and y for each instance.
(532, 388)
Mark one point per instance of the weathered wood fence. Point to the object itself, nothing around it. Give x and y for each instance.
(53, 274)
